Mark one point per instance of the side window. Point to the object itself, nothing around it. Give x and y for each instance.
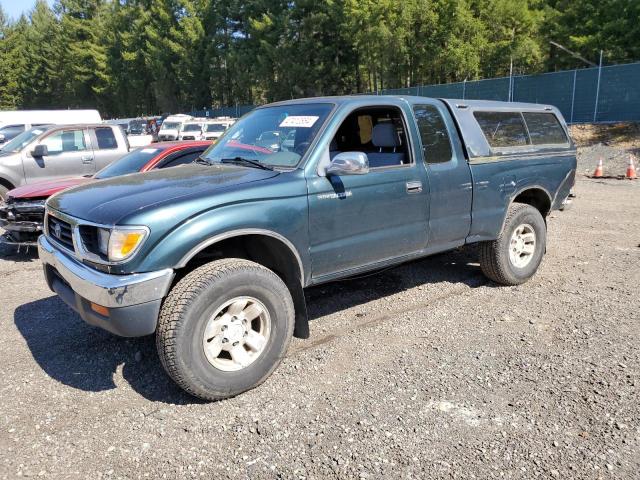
(65, 141)
(544, 129)
(106, 139)
(182, 159)
(503, 129)
(11, 131)
(380, 132)
(436, 144)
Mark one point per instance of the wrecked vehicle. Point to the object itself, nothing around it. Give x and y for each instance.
(213, 257)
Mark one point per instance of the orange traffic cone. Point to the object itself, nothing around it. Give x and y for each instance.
(598, 172)
(631, 169)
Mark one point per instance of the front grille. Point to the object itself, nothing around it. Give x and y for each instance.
(60, 231)
(89, 237)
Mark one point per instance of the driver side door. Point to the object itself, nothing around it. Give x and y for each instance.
(69, 155)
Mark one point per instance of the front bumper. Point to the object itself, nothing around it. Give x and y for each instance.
(133, 301)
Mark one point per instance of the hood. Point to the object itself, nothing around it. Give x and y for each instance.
(46, 189)
(108, 201)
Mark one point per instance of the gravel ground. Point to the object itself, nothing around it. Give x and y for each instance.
(423, 371)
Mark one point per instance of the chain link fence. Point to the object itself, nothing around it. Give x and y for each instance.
(607, 94)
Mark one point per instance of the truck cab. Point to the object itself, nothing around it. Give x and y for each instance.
(213, 257)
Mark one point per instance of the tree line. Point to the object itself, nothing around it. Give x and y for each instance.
(131, 57)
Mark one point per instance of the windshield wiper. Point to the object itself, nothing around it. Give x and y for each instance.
(246, 162)
(203, 161)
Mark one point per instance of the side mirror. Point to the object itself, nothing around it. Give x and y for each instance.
(40, 151)
(349, 163)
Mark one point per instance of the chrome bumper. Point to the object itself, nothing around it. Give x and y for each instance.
(111, 291)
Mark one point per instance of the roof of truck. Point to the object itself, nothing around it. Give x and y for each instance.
(412, 98)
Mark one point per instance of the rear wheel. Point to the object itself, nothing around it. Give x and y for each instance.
(514, 257)
(224, 328)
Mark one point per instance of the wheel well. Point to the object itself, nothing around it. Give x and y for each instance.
(6, 183)
(267, 251)
(537, 198)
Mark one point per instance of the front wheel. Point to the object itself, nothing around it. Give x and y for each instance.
(514, 257)
(224, 328)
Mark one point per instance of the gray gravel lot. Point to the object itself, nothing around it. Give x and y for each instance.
(423, 371)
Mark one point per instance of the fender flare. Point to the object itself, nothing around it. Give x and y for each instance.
(239, 233)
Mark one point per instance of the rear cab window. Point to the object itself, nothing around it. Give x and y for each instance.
(436, 144)
(105, 138)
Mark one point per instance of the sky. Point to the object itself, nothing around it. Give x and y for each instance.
(14, 8)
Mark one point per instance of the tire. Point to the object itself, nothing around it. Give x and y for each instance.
(195, 308)
(497, 261)
(3, 193)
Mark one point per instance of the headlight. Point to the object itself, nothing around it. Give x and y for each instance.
(120, 243)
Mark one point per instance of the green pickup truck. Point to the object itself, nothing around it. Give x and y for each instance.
(213, 257)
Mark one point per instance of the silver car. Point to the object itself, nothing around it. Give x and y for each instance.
(56, 151)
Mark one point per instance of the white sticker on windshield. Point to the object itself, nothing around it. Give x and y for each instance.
(149, 150)
(299, 121)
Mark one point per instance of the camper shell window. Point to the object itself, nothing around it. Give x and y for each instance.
(517, 129)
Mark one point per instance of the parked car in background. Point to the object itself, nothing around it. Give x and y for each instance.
(54, 152)
(170, 128)
(214, 129)
(123, 123)
(13, 123)
(191, 130)
(142, 131)
(214, 257)
(22, 215)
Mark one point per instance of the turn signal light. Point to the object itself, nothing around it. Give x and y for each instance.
(104, 311)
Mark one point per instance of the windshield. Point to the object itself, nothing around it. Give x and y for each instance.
(170, 125)
(215, 127)
(22, 140)
(138, 126)
(260, 135)
(192, 127)
(130, 163)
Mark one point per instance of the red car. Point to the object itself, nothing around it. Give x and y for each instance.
(23, 214)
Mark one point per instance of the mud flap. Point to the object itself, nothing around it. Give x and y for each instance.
(301, 328)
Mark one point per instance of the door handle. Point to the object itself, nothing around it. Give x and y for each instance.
(414, 187)
(86, 159)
